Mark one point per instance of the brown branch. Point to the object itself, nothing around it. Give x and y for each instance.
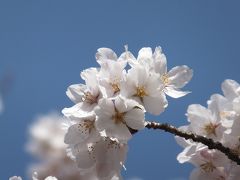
(196, 138)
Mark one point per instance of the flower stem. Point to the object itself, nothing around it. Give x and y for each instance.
(196, 138)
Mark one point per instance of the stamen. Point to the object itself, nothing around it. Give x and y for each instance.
(89, 98)
(141, 92)
(115, 87)
(87, 125)
(208, 167)
(165, 79)
(210, 128)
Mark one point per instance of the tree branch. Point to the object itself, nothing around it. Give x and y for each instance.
(196, 138)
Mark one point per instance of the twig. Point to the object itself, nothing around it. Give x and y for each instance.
(196, 138)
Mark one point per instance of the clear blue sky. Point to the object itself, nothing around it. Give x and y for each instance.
(45, 44)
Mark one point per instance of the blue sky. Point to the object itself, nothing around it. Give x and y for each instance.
(45, 44)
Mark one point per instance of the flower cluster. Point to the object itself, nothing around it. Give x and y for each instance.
(111, 105)
(220, 121)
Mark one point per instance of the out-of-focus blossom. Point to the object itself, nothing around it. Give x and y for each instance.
(46, 143)
(1, 105)
(15, 178)
(34, 177)
(220, 122)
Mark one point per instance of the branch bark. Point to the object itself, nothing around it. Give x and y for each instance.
(196, 138)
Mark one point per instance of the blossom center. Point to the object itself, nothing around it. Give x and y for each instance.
(207, 167)
(141, 92)
(115, 87)
(111, 144)
(89, 98)
(211, 128)
(87, 125)
(165, 79)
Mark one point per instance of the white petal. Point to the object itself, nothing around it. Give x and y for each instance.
(51, 178)
(77, 133)
(105, 54)
(121, 104)
(145, 54)
(186, 154)
(160, 63)
(129, 57)
(135, 119)
(174, 93)
(119, 131)
(80, 110)
(219, 104)
(153, 85)
(104, 170)
(155, 105)
(128, 87)
(181, 141)
(231, 89)
(84, 160)
(138, 75)
(75, 92)
(106, 106)
(90, 77)
(197, 112)
(179, 76)
(199, 116)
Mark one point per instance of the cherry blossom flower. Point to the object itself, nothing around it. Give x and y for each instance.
(202, 121)
(112, 76)
(115, 117)
(82, 130)
(46, 136)
(156, 62)
(145, 88)
(85, 96)
(104, 158)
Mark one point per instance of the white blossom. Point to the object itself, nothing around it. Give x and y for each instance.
(145, 88)
(34, 177)
(103, 158)
(156, 62)
(15, 178)
(46, 143)
(116, 116)
(1, 104)
(85, 96)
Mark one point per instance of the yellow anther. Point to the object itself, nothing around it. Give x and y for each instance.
(211, 128)
(165, 79)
